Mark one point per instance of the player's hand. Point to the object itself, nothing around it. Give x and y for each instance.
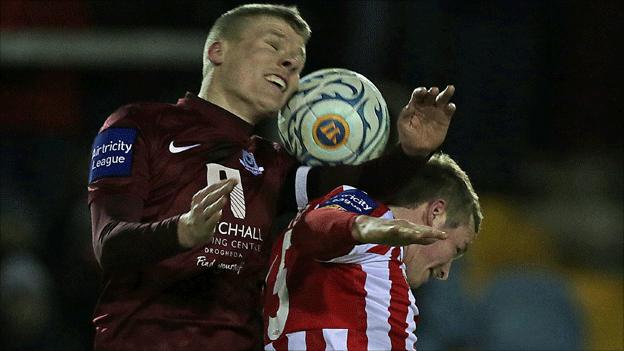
(197, 226)
(424, 121)
(393, 232)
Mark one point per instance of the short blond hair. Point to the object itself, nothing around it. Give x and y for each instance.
(229, 25)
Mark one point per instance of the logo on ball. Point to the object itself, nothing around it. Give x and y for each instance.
(330, 131)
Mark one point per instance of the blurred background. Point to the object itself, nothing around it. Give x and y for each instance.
(537, 128)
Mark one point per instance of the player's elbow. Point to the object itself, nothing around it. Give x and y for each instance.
(106, 247)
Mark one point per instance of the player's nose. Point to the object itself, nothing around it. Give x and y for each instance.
(290, 62)
(443, 272)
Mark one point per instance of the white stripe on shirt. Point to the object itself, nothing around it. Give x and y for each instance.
(297, 340)
(377, 300)
(335, 339)
(412, 311)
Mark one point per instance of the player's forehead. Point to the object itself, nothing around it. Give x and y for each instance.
(265, 25)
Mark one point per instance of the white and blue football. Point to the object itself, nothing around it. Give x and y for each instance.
(336, 117)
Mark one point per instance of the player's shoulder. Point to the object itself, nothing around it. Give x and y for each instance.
(141, 114)
(350, 199)
(279, 156)
(262, 142)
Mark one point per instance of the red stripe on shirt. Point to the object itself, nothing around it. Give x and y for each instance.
(357, 311)
(357, 340)
(379, 249)
(315, 340)
(281, 344)
(399, 303)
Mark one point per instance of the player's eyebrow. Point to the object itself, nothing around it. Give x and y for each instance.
(276, 33)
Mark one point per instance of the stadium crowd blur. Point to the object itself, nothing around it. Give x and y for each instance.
(536, 128)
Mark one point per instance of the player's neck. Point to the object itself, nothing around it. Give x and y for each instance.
(212, 95)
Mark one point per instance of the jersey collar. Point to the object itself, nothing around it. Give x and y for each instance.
(223, 118)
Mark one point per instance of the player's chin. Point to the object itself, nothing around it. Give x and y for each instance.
(269, 108)
(415, 283)
(276, 101)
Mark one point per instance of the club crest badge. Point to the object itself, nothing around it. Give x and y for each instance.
(249, 162)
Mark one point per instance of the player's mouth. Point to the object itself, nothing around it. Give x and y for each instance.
(278, 81)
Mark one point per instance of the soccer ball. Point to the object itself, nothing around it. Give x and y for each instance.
(336, 117)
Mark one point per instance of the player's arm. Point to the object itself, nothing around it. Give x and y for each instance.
(344, 219)
(393, 232)
(122, 241)
(422, 126)
(326, 233)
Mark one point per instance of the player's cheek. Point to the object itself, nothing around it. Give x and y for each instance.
(441, 255)
(417, 273)
(448, 256)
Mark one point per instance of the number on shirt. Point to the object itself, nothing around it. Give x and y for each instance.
(216, 173)
(277, 323)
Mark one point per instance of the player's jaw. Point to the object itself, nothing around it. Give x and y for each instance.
(274, 90)
(428, 262)
(427, 273)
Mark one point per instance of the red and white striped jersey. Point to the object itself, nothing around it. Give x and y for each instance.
(325, 291)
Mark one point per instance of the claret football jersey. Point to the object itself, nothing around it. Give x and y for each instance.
(160, 155)
(327, 292)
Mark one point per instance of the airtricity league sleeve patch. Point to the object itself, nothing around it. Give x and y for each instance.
(352, 200)
(111, 155)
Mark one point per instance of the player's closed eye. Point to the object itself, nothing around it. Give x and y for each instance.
(459, 252)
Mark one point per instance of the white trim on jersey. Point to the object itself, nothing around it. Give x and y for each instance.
(301, 184)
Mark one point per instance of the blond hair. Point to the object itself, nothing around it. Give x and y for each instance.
(229, 25)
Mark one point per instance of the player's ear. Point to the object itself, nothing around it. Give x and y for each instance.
(436, 212)
(216, 52)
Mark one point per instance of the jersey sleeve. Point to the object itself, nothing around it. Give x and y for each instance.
(118, 187)
(119, 157)
(380, 177)
(122, 242)
(324, 232)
